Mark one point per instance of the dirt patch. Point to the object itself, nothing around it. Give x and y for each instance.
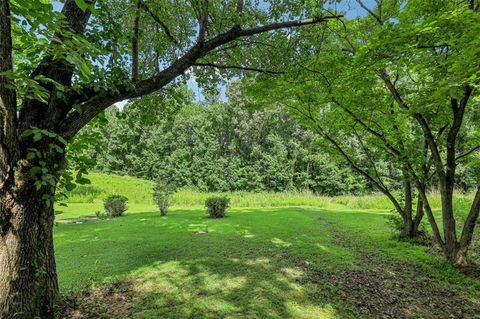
(77, 221)
(383, 288)
(113, 301)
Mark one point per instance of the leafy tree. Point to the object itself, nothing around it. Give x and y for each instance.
(162, 195)
(58, 70)
(219, 147)
(412, 86)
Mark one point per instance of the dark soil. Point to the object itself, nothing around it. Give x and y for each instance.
(103, 302)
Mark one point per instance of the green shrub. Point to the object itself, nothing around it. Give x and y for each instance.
(395, 222)
(115, 205)
(217, 206)
(162, 195)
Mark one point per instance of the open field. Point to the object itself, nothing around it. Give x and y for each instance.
(291, 255)
(258, 263)
(85, 200)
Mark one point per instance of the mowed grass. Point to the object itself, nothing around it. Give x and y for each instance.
(263, 263)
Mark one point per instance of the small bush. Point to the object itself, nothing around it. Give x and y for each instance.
(115, 205)
(162, 195)
(217, 206)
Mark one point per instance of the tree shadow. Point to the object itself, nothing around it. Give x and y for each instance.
(245, 267)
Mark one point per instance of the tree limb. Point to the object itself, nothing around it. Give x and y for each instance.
(470, 221)
(36, 113)
(467, 153)
(136, 31)
(8, 101)
(165, 28)
(98, 102)
(427, 132)
(370, 12)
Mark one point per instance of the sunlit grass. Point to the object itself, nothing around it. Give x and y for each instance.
(249, 265)
(85, 200)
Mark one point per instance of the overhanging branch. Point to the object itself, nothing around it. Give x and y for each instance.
(98, 102)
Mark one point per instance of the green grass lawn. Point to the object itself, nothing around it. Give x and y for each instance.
(258, 263)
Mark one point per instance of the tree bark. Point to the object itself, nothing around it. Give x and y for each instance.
(28, 279)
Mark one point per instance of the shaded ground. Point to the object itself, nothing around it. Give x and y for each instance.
(388, 288)
(270, 263)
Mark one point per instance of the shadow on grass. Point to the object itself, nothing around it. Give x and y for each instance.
(269, 263)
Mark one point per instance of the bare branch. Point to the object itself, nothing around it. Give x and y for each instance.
(467, 153)
(136, 31)
(155, 17)
(237, 67)
(370, 12)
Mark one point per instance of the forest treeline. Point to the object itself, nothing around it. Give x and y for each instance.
(220, 146)
(224, 146)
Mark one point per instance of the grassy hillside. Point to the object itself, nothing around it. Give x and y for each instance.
(86, 199)
(138, 191)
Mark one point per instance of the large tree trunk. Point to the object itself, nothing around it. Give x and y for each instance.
(28, 279)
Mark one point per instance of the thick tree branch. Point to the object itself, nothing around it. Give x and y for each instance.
(96, 103)
(427, 132)
(36, 113)
(458, 111)
(8, 102)
(470, 222)
(135, 35)
(431, 218)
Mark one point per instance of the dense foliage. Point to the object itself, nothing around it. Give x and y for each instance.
(220, 147)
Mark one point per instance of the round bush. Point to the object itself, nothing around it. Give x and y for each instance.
(217, 206)
(115, 205)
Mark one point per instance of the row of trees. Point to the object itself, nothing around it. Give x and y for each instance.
(218, 147)
(403, 82)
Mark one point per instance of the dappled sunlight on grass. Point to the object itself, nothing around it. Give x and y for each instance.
(281, 243)
(257, 263)
(251, 288)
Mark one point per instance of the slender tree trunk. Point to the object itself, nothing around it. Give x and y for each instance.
(452, 246)
(28, 279)
(419, 215)
(410, 222)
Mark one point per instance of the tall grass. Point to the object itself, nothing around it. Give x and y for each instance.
(139, 191)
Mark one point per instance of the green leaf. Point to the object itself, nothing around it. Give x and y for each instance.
(82, 4)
